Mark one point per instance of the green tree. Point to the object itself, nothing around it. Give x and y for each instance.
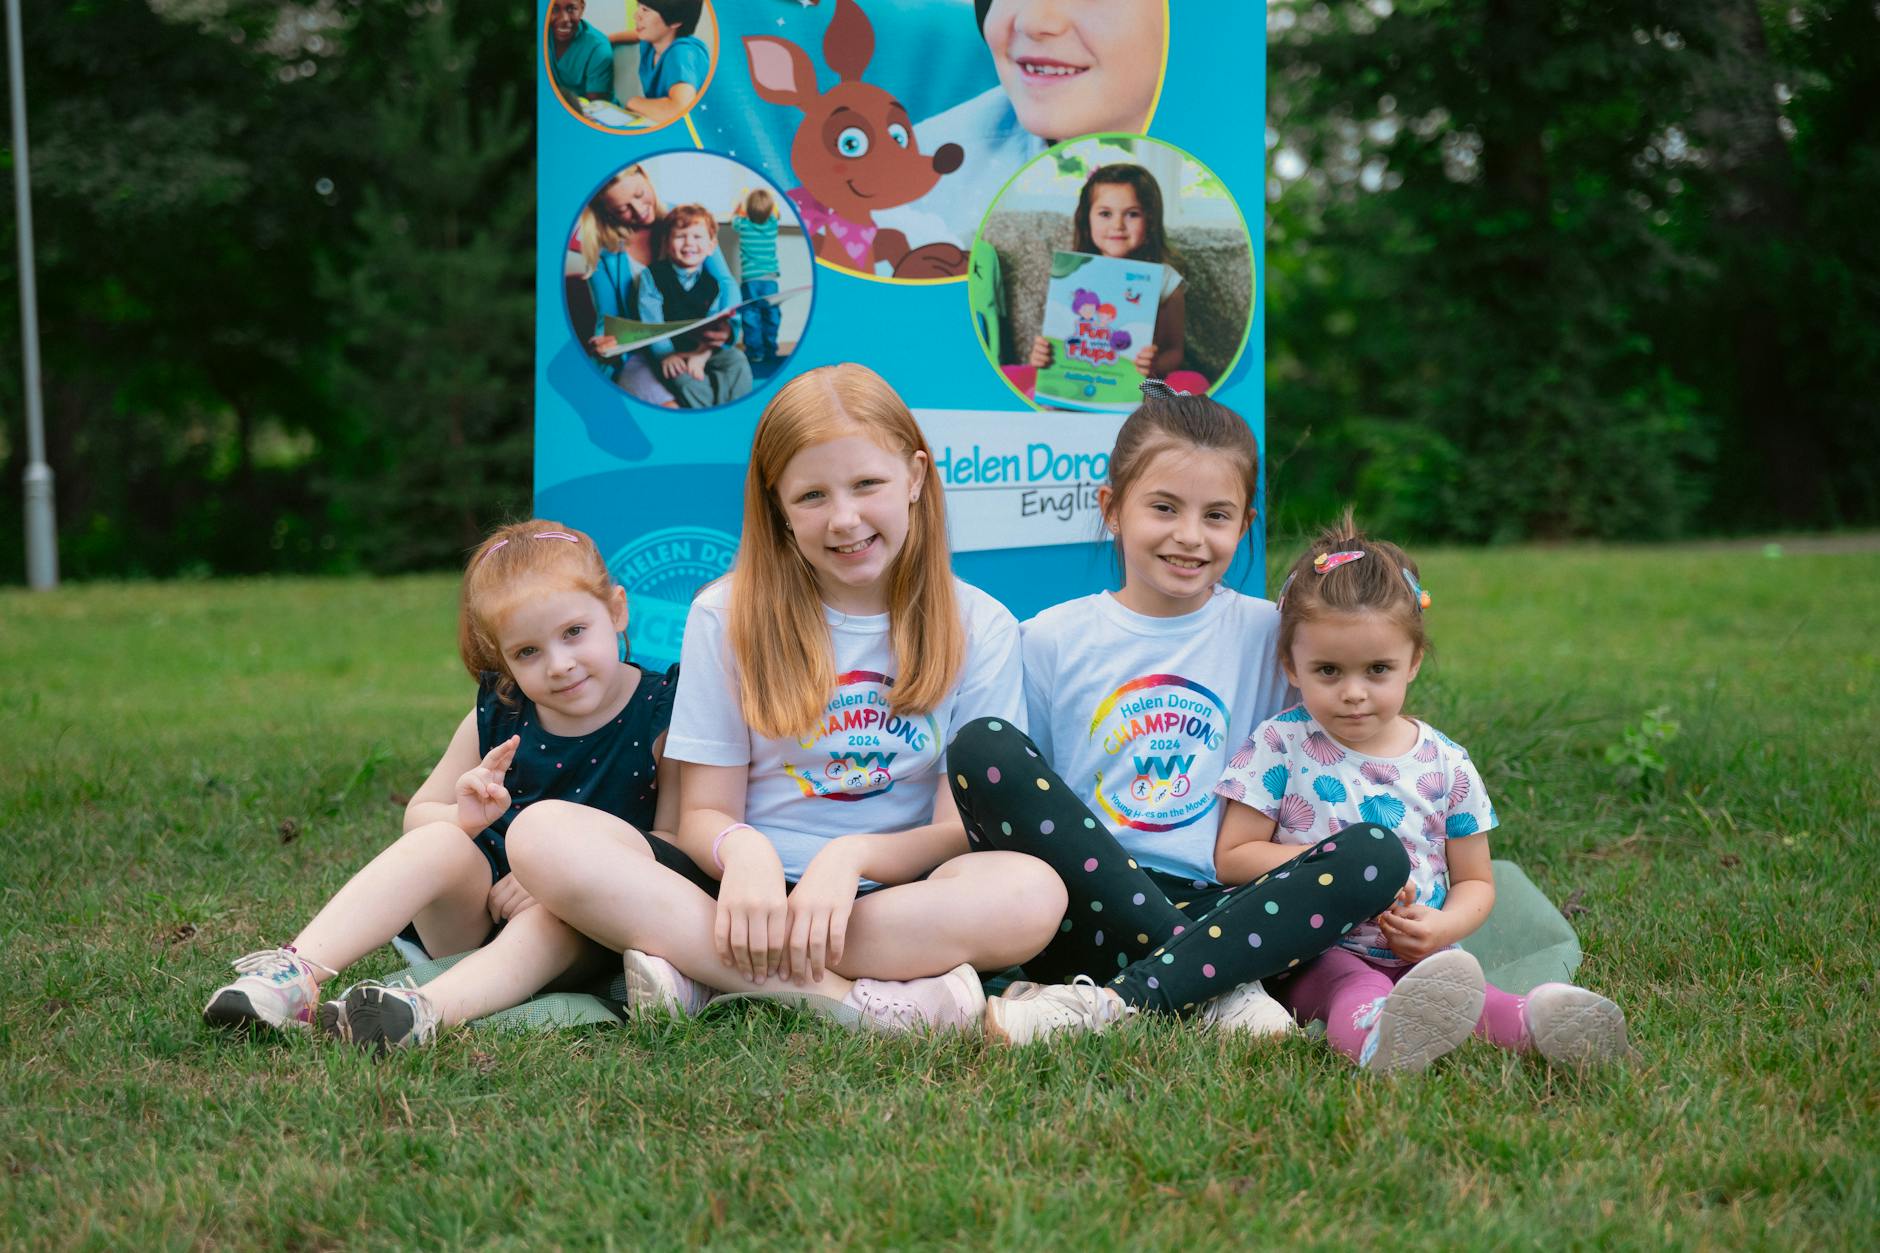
(435, 299)
(1465, 274)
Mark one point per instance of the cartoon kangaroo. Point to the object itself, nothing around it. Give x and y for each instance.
(854, 151)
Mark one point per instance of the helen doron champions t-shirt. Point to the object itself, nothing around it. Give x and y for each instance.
(864, 767)
(1138, 713)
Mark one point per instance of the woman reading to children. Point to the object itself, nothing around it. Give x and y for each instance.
(614, 242)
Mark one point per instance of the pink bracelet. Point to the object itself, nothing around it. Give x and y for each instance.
(719, 842)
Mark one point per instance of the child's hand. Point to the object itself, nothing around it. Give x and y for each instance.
(601, 344)
(1414, 931)
(673, 366)
(507, 899)
(1145, 360)
(1041, 352)
(695, 365)
(749, 930)
(819, 913)
(481, 796)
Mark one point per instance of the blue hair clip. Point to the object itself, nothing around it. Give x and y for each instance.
(1421, 597)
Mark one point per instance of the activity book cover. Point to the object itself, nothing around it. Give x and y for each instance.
(1099, 313)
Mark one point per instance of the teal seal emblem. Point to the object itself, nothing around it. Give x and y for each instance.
(662, 571)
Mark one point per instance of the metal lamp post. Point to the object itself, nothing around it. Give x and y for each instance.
(42, 552)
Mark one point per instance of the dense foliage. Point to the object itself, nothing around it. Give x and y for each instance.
(1587, 268)
(1583, 268)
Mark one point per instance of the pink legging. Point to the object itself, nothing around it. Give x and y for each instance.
(1339, 987)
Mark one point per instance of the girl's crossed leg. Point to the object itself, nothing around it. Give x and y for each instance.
(631, 893)
(1119, 919)
(448, 877)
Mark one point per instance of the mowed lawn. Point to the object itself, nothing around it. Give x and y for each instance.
(190, 767)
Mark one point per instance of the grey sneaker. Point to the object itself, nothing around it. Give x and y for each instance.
(1032, 1011)
(382, 1017)
(656, 986)
(1250, 1009)
(1574, 1026)
(1431, 1011)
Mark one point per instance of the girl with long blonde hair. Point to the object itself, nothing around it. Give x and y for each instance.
(820, 684)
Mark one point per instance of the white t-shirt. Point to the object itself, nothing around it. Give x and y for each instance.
(1138, 714)
(1314, 787)
(864, 768)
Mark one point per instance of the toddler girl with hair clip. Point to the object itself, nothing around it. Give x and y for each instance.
(822, 680)
(1396, 992)
(559, 713)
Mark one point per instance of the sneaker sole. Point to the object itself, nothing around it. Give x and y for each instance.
(365, 1019)
(1430, 1012)
(232, 1010)
(994, 1026)
(330, 1020)
(1575, 1027)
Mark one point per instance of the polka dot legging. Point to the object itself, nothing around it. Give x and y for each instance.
(1124, 924)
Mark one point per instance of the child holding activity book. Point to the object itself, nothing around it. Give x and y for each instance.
(1119, 215)
(701, 367)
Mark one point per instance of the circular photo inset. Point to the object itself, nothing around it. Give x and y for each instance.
(1112, 259)
(688, 280)
(630, 66)
(893, 124)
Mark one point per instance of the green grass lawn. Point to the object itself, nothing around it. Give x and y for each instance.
(190, 768)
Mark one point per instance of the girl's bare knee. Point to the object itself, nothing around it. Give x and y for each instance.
(532, 833)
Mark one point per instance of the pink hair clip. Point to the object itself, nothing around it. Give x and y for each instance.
(1331, 561)
(572, 539)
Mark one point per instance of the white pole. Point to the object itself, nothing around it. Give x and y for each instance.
(42, 549)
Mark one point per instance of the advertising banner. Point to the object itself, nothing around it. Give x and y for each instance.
(916, 185)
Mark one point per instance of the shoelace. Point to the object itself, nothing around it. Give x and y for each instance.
(1089, 1008)
(271, 963)
(886, 1008)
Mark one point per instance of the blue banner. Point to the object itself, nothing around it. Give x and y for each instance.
(732, 193)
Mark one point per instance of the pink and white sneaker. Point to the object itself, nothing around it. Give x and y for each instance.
(954, 1001)
(656, 986)
(276, 987)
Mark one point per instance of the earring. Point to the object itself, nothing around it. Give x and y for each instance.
(623, 644)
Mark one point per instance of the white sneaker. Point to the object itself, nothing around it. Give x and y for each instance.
(1032, 1011)
(276, 986)
(1431, 1011)
(1250, 1009)
(954, 1001)
(656, 986)
(1574, 1026)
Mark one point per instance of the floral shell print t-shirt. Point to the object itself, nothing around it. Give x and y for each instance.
(1292, 771)
(865, 766)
